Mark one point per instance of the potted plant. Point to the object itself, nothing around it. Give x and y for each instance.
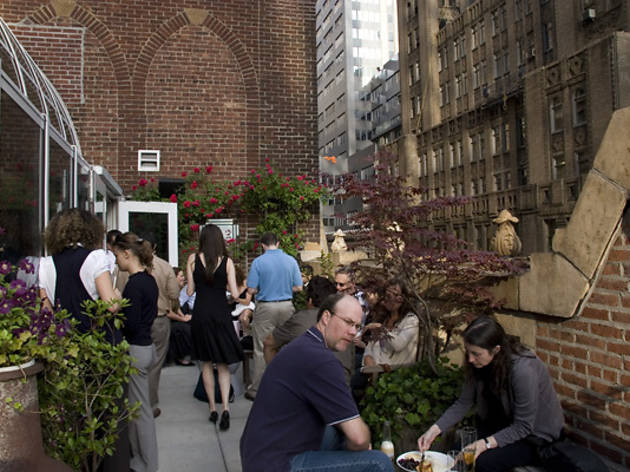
(24, 331)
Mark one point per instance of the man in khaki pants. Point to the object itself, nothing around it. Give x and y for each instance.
(273, 277)
(161, 330)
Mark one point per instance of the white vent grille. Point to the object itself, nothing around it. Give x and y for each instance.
(148, 160)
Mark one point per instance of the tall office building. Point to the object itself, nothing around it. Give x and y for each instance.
(507, 101)
(354, 41)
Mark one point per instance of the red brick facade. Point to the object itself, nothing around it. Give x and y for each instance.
(589, 358)
(205, 82)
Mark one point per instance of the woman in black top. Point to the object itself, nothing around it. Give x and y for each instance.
(135, 256)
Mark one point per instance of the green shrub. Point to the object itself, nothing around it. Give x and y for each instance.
(82, 392)
(411, 399)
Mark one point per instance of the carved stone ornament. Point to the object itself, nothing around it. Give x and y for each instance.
(505, 241)
(339, 244)
(553, 75)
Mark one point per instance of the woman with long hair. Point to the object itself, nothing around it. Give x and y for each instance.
(210, 271)
(393, 335)
(517, 408)
(135, 256)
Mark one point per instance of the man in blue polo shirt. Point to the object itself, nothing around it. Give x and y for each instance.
(273, 277)
(304, 417)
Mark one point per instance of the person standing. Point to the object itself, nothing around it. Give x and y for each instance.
(209, 271)
(304, 418)
(135, 256)
(273, 277)
(161, 329)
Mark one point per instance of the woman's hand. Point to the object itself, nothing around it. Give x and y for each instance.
(425, 441)
(372, 326)
(480, 445)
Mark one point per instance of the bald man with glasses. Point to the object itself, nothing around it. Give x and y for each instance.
(304, 417)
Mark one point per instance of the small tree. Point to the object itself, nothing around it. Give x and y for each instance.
(434, 266)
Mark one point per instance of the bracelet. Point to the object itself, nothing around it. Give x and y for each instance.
(487, 443)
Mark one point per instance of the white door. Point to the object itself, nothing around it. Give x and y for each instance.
(154, 220)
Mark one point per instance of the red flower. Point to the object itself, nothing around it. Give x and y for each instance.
(296, 235)
(256, 245)
(184, 174)
(226, 193)
(300, 177)
(152, 180)
(208, 215)
(194, 185)
(258, 176)
(213, 200)
(230, 241)
(195, 203)
(187, 204)
(266, 159)
(209, 170)
(173, 198)
(186, 215)
(284, 185)
(270, 171)
(142, 182)
(290, 189)
(194, 227)
(251, 187)
(253, 171)
(134, 188)
(196, 170)
(218, 210)
(301, 198)
(237, 182)
(284, 231)
(315, 190)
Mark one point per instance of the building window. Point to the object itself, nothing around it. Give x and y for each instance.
(482, 32)
(579, 107)
(440, 61)
(558, 170)
(505, 137)
(458, 86)
(481, 143)
(496, 59)
(440, 160)
(476, 76)
(547, 37)
(460, 153)
(555, 115)
(451, 155)
(473, 149)
(495, 143)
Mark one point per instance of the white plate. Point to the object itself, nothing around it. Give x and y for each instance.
(440, 461)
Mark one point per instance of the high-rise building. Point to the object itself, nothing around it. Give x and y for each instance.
(354, 41)
(507, 101)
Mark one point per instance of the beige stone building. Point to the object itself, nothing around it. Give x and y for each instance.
(507, 101)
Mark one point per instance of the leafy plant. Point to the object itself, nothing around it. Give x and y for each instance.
(25, 331)
(82, 391)
(432, 265)
(411, 399)
(278, 202)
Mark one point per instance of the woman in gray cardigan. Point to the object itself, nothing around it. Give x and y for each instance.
(516, 405)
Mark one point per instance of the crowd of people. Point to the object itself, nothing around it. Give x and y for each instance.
(309, 365)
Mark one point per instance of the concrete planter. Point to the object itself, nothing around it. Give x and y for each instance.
(21, 448)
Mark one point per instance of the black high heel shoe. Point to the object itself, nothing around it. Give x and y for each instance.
(214, 416)
(225, 421)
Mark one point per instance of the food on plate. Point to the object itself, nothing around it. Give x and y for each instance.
(416, 462)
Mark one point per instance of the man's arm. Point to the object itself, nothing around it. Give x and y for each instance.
(357, 434)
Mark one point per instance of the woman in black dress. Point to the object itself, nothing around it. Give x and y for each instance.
(210, 272)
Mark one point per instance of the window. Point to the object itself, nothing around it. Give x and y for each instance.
(482, 32)
(440, 67)
(148, 160)
(555, 115)
(460, 152)
(519, 53)
(505, 137)
(476, 76)
(558, 169)
(458, 86)
(496, 59)
(451, 155)
(495, 143)
(579, 107)
(547, 37)
(481, 143)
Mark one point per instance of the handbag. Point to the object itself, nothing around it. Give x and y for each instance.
(200, 391)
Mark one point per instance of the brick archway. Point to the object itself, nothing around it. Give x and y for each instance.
(234, 44)
(48, 13)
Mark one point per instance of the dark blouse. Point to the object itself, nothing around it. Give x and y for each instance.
(142, 292)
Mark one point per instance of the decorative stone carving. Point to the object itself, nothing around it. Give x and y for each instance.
(506, 242)
(63, 7)
(576, 65)
(339, 244)
(579, 136)
(553, 75)
(557, 143)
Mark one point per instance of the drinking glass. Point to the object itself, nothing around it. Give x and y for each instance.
(456, 459)
(468, 436)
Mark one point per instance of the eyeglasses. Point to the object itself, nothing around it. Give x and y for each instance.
(348, 322)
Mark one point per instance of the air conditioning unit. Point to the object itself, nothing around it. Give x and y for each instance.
(531, 53)
(588, 15)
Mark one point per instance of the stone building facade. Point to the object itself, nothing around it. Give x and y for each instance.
(507, 101)
(524, 105)
(226, 84)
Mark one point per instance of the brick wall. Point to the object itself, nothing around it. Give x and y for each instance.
(589, 358)
(208, 82)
